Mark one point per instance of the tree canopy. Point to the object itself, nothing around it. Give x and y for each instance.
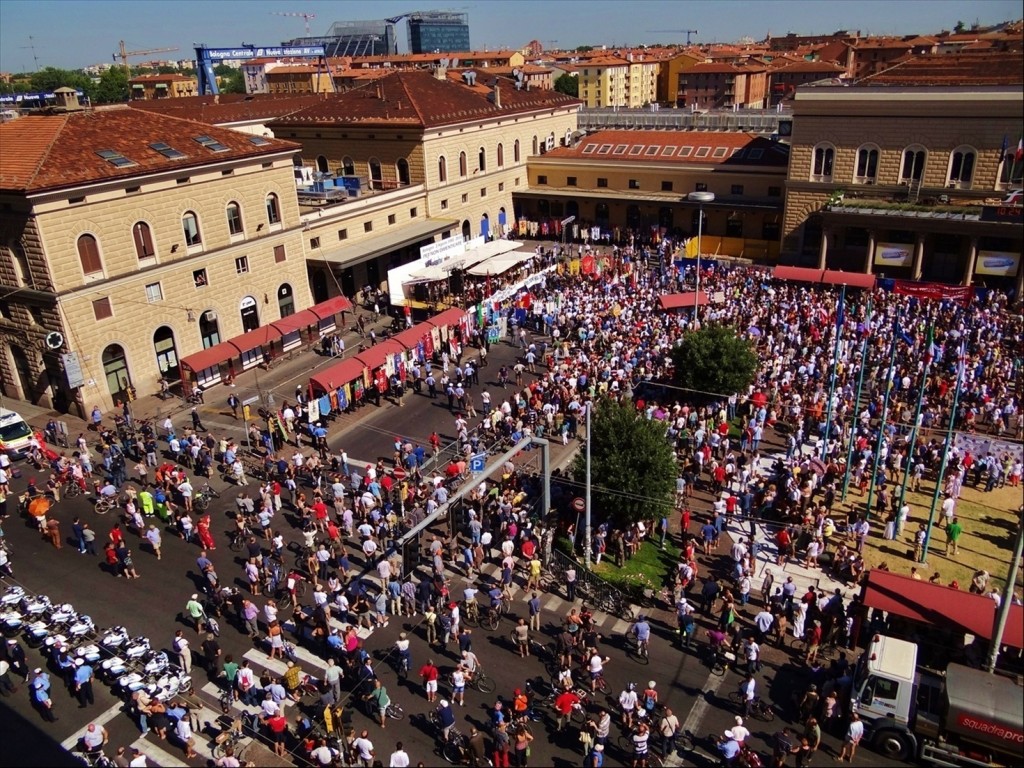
(568, 85)
(112, 87)
(715, 360)
(633, 467)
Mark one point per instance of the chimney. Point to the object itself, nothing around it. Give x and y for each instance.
(441, 73)
(497, 96)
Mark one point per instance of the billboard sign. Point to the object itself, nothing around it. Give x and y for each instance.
(894, 254)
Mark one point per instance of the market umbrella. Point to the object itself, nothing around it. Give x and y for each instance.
(39, 506)
(759, 399)
(817, 465)
(754, 331)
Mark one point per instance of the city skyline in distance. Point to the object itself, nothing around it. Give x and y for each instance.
(72, 34)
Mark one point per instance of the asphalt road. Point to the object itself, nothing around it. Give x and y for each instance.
(152, 606)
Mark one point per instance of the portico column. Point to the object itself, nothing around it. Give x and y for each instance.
(823, 253)
(972, 259)
(869, 261)
(918, 257)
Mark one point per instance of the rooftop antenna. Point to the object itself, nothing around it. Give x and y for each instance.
(32, 47)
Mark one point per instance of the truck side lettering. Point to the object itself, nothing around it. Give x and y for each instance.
(972, 723)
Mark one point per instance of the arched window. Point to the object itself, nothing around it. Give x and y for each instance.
(115, 369)
(273, 209)
(501, 155)
(321, 164)
(234, 218)
(143, 238)
(376, 176)
(1011, 170)
(190, 225)
(463, 165)
(912, 167)
(822, 160)
(442, 169)
(536, 149)
(166, 353)
(285, 300)
(515, 152)
(209, 329)
(482, 160)
(348, 166)
(866, 171)
(89, 255)
(402, 167)
(961, 167)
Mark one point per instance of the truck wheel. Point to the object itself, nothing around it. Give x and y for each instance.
(893, 744)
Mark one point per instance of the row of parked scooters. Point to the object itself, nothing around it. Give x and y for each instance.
(127, 664)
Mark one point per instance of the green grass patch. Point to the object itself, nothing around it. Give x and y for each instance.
(648, 569)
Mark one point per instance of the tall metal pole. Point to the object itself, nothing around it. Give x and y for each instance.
(917, 416)
(586, 522)
(887, 381)
(945, 454)
(700, 233)
(1004, 607)
(840, 313)
(856, 402)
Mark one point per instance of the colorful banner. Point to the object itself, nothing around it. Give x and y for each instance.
(1002, 263)
(894, 254)
(933, 291)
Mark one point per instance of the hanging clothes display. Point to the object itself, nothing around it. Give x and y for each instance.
(381, 380)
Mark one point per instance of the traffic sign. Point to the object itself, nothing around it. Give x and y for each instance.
(579, 504)
(251, 400)
(478, 462)
(399, 474)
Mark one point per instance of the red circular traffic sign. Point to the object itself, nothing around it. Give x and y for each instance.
(399, 473)
(579, 504)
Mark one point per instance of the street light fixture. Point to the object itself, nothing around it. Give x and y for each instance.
(700, 198)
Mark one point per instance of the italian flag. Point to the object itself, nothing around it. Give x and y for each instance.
(1019, 154)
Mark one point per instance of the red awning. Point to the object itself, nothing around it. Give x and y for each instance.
(374, 357)
(331, 307)
(852, 279)
(449, 317)
(799, 274)
(940, 606)
(258, 338)
(410, 337)
(209, 357)
(337, 375)
(296, 322)
(684, 300)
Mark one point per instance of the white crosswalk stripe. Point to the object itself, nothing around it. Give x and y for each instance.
(158, 756)
(72, 741)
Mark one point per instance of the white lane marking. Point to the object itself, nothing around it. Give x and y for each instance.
(71, 741)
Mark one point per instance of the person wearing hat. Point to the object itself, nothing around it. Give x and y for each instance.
(739, 731)
(41, 695)
(83, 684)
(729, 747)
(595, 758)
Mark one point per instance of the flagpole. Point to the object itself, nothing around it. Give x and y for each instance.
(840, 312)
(930, 339)
(856, 402)
(885, 414)
(945, 454)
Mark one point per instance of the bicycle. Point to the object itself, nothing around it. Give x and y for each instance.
(637, 649)
(719, 660)
(71, 489)
(492, 619)
(104, 505)
(480, 682)
(626, 746)
(229, 739)
(455, 749)
(284, 600)
(759, 709)
(201, 501)
(239, 539)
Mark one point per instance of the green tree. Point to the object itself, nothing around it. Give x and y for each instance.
(233, 82)
(112, 87)
(632, 465)
(716, 360)
(584, 49)
(568, 85)
(49, 78)
(959, 28)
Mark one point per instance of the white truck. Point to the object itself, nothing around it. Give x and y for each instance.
(963, 717)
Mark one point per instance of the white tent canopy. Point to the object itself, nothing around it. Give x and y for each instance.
(497, 265)
(483, 253)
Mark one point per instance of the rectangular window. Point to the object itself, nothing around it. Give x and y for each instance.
(605, 149)
(589, 149)
(636, 149)
(774, 191)
(701, 187)
(483, 192)
(241, 265)
(314, 242)
(501, 186)
(602, 182)
(653, 150)
(199, 278)
(101, 309)
(465, 198)
(666, 186)
(367, 226)
(634, 184)
(413, 213)
(542, 179)
(620, 149)
(685, 152)
(444, 205)
(720, 151)
(279, 254)
(154, 293)
(391, 219)
(570, 181)
(703, 152)
(343, 234)
(183, 180)
(737, 189)
(668, 151)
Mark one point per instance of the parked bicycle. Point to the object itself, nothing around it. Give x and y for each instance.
(759, 709)
(202, 497)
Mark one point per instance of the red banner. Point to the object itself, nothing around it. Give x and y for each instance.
(934, 291)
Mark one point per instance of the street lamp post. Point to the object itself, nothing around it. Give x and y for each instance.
(700, 198)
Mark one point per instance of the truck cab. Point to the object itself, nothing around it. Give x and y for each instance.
(885, 687)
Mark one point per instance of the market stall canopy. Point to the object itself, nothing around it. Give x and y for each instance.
(496, 265)
(209, 357)
(257, 338)
(296, 321)
(940, 606)
(798, 274)
(448, 318)
(337, 375)
(375, 356)
(410, 337)
(684, 300)
(389, 241)
(331, 307)
(437, 272)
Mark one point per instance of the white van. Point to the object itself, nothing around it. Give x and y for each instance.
(15, 434)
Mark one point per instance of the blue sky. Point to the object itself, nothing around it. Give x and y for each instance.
(70, 34)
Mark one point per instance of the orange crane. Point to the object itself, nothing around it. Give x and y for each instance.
(304, 16)
(123, 55)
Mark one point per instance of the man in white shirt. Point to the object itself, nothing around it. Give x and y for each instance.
(399, 758)
(364, 748)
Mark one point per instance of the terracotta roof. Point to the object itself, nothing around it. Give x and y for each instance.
(230, 107)
(984, 68)
(296, 69)
(828, 67)
(678, 147)
(168, 78)
(417, 98)
(44, 152)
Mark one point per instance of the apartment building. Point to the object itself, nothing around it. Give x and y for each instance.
(723, 86)
(130, 240)
(786, 76)
(171, 86)
(903, 171)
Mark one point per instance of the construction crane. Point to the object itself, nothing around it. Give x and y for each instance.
(304, 16)
(123, 55)
(686, 32)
